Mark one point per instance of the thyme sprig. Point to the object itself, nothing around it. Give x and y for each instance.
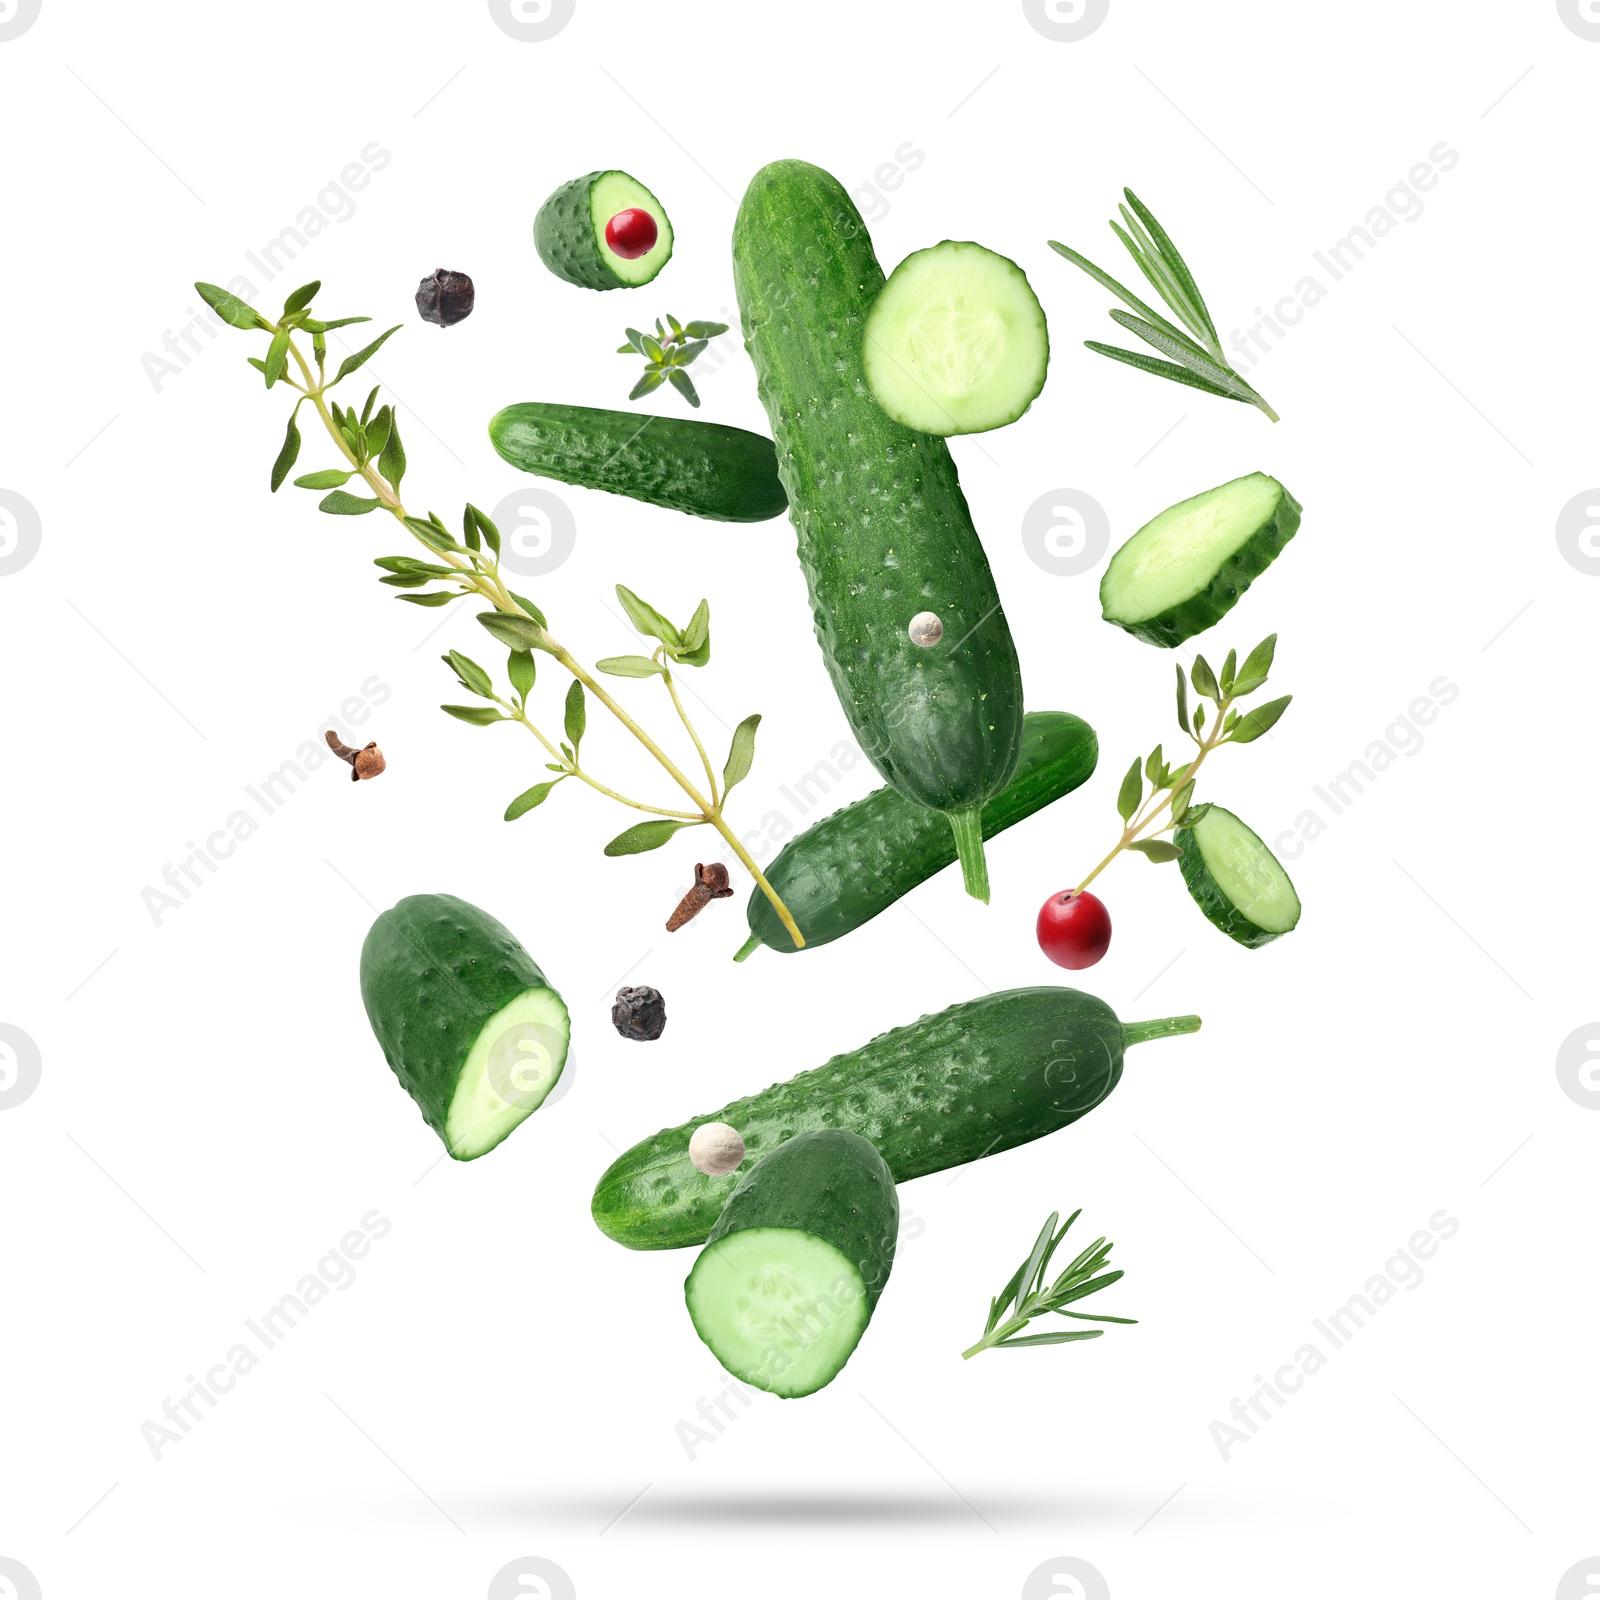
(667, 354)
(1196, 351)
(1172, 789)
(1027, 1295)
(369, 444)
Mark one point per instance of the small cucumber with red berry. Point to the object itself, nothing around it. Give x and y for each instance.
(604, 230)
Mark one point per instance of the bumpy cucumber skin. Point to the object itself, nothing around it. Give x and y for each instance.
(971, 1081)
(846, 869)
(563, 234)
(1219, 910)
(703, 468)
(434, 969)
(1201, 611)
(883, 527)
(829, 1183)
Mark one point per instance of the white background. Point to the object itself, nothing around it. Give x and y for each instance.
(501, 1381)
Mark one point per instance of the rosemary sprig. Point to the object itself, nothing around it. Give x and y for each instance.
(1172, 789)
(667, 354)
(1027, 1296)
(371, 451)
(1195, 349)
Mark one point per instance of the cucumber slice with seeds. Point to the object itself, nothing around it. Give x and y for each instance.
(1236, 880)
(1185, 569)
(790, 1276)
(956, 341)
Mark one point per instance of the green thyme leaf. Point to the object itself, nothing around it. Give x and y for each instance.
(644, 836)
(521, 670)
(392, 463)
(528, 606)
(362, 357)
(277, 355)
(529, 798)
(1204, 679)
(478, 716)
(680, 381)
(431, 534)
(328, 478)
(302, 297)
(652, 347)
(652, 379)
(1195, 813)
(741, 753)
(1156, 849)
(576, 720)
(440, 597)
(1129, 794)
(340, 504)
(490, 533)
(230, 307)
(406, 580)
(1181, 799)
(1154, 768)
(1229, 668)
(366, 410)
(1253, 674)
(647, 620)
(520, 633)
(1183, 700)
(1255, 723)
(470, 673)
(290, 452)
(378, 433)
(628, 666)
(345, 322)
(704, 330)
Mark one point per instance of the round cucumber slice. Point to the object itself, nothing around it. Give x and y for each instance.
(570, 232)
(1185, 569)
(1236, 880)
(956, 341)
(781, 1309)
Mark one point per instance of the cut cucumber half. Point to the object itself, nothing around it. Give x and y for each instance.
(570, 232)
(1186, 568)
(792, 1271)
(956, 341)
(1236, 880)
(467, 1021)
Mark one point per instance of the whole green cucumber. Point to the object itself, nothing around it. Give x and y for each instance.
(976, 1079)
(704, 468)
(883, 528)
(842, 871)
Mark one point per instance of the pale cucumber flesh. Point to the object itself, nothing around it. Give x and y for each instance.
(956, 341)
(780, 1308)
(1246, 872)
(514, 1063)
(614, 192)
(1176, 555)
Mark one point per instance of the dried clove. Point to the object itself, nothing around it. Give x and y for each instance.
(639, 1013)
(446, 298)
(367, 762)
(710, 883)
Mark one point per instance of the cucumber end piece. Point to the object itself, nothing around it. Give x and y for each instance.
(967, 826)
(1161, 1028)
(751, 944)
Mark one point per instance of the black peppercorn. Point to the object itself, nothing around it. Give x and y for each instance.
(639, 1013)
(445, 297)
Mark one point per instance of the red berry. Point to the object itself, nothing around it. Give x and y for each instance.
(1074, 929)
(631, 234)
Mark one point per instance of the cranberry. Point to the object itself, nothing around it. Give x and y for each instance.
(631, 234)
(1074, 929)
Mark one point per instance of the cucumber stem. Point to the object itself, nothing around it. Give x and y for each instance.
(967, 826)
(752, 943)
(1162, 1028)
